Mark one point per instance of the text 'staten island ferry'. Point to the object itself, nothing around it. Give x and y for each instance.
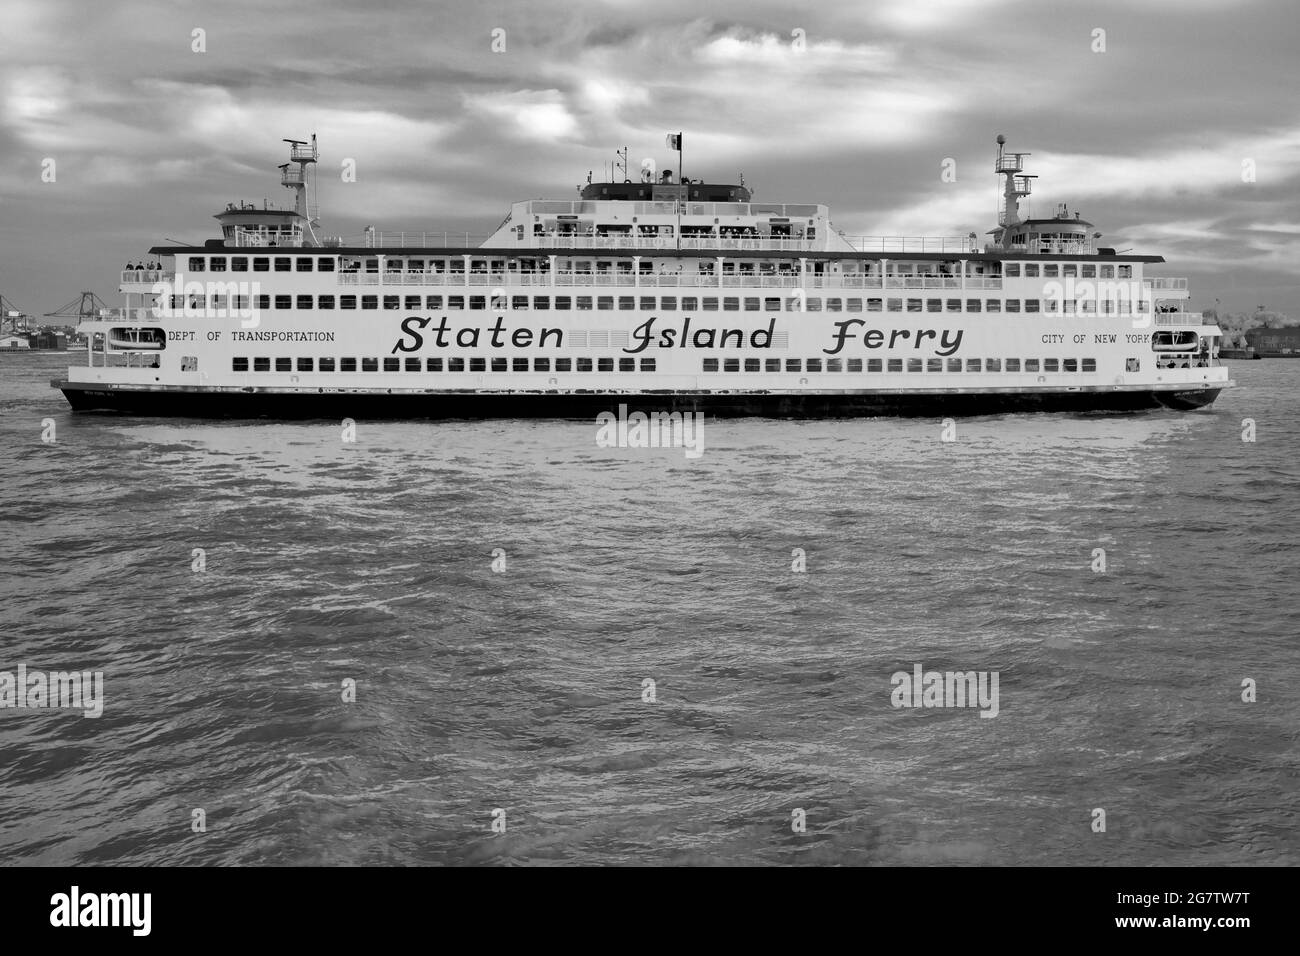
(672, 296)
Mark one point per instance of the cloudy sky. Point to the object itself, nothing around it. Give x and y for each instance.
(854, 104)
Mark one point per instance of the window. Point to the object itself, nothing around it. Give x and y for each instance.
(771, 365)
(412, 364)
(1132, 365)
(1031, 271)
(972, 305)
(626, 303)
(668, 303)
(326, 364)
(993, 365)
(564, 302)
(305, 301)
(1088, 272)
(934, 365)
(1070, 365)
(370, 302)
(477, 365)
(541, 365)
(1108, 272)
(564, 365)
(584, 365)
(1013, 365)
(281, 263)
(812, 305)
(304, 264)
(197, 264)
(769, 305)
(751, 364)
(1011, 270)
(647, 365)
(541, 302)
(731, 365)
(458, 365)
(973, 365)
(392, 363)
(954, 365)
(936, 305)
(1031, 365)
(710, 303)
(261, 265)
(284, 302)
(262, 364)
(895, 305)
(710, 365)
(604, 365)
(412, 303)
(455, 302)
(347, 302)
(1031, 305)
(855, 365)
(951, 305)
(1069, 271)
(914, 365)
(324, 264)
(519, 365)
(690, 303)
(894, 365)
(498, 365)
(304, 364)
(992, 305)
(1051, 365)
(392, 302)
(913, 305)
(370, 365)
(1050, 271)
(873, 365)
(584, 303)
(519, 302)
(834, 305)
(874, 305)
(239, 365)
(217, 264)
(812, 365)
(239, 264)
(325, 302)
(793, 365)
(433, 365)
(1013, 305)
(604, 302)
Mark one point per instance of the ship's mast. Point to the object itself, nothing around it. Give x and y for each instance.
(305, 155)
(1016, 186)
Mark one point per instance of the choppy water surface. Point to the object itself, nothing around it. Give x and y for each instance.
(522, 690)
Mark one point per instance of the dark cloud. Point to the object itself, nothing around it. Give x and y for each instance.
(1148, 139)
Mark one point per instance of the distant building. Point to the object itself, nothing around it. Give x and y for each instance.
(1284, 340)
(13, 342)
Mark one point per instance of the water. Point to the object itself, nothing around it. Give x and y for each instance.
(522, 690)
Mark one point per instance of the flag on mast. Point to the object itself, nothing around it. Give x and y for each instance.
(674, 141)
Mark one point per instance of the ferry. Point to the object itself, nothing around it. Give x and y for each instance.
(662, 293)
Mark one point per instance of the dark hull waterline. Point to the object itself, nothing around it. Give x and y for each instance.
(468, 404)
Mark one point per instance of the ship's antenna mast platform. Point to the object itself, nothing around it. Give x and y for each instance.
(622, 163)
(305, 155)
(1016, 186)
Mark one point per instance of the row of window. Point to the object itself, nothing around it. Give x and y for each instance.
(1049, 270)
(438, 364)
(896, 365)
(1064, 270)
(666, 303)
